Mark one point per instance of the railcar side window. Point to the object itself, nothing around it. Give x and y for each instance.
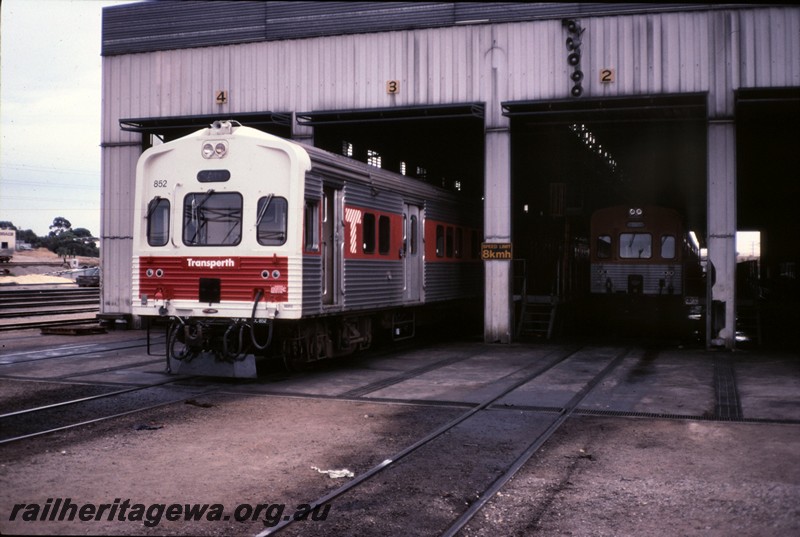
(459, 248)
(271, 221)
(439, 241)
(369, 233)
(635, 245)
(384, 235)
(158, 222)
(312, 226)
(212, 219)
(603, 246)
(448, 242)
(668, 247)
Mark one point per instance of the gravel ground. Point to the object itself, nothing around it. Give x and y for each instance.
(601, 477)
(596, 476)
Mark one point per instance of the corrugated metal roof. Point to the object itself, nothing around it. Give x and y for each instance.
(169, 24)
(290, 20)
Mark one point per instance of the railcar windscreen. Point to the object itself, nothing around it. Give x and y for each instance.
(635, 245)
(212, 219)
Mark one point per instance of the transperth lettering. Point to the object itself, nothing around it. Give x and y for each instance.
(210, 263)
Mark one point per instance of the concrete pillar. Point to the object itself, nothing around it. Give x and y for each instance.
(722, 226)
(498, 304)
(497, 319)
(721, 162)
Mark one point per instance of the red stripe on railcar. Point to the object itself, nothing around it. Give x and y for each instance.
(355, 219)
(450, 243)
(178, 278)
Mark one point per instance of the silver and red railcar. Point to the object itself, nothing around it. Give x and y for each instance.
(254, 246)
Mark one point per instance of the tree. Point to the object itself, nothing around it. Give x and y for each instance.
(7, 225)
(65, 241)
(67, 244)
(60, 225)
(27, 235)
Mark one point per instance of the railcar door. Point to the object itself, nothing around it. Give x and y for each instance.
(331, 246)
(411, 252)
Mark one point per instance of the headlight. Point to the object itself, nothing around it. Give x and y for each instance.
(214, 150)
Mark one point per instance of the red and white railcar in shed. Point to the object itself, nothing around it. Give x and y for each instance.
(645, 269)
(257, 247)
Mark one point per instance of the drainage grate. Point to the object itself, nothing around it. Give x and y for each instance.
(655, 415)
(726, 395)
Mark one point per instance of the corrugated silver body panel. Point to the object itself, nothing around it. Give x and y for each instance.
(449, 281)
(448, 212)
(372, 284)
(618, 274)
(312, 284)
(312, 263)
(365, 196)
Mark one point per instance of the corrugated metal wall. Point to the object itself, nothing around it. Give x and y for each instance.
(714, 51)
(652, 53)
(116, 224)
(154, 26)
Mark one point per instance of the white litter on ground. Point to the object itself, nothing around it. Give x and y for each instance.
(335, 474)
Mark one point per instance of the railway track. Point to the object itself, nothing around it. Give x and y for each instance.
(67, 352)
(60, 416)
(41, 413)
(512, 382)
(415, 456)
(47, 419)
(39, 308)
(587, 366)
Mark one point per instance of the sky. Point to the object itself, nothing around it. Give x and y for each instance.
(50, 88)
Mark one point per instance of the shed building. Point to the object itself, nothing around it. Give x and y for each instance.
(691, 104)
